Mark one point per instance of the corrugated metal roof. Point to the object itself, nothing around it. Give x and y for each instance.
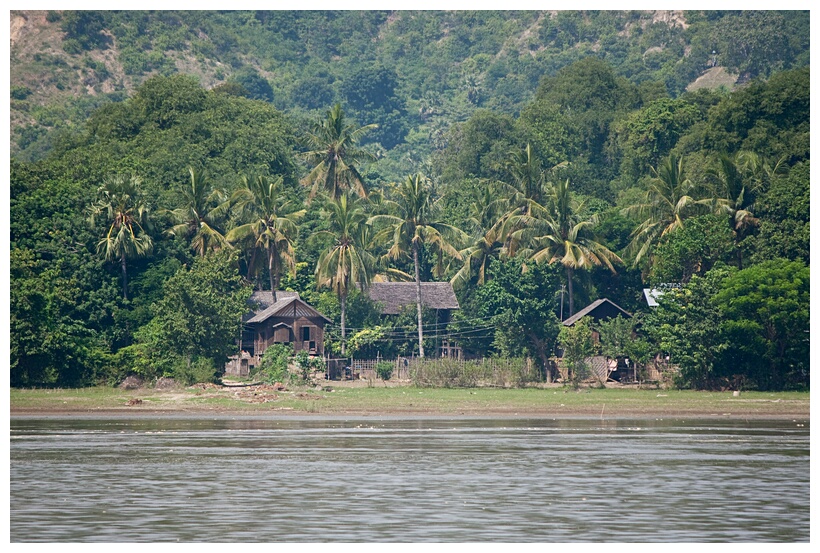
(590, 308)
(652, 296)
(291, 307)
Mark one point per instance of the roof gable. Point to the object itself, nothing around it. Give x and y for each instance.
(599, 309)
(393, 296)
(288, 305)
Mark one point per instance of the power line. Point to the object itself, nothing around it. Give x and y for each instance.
(431, 326)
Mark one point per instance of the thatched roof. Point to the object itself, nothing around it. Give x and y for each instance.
(264, 298)
(393, 296)
(288, 304)
(599, 309)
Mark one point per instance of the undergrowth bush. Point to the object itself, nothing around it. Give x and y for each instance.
(384, 369)
(451, 373)
(273, 366)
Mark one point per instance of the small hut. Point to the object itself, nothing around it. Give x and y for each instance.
(602, 310)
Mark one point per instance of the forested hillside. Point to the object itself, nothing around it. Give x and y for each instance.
(166, 163)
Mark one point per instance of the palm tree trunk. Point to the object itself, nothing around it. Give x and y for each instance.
(250, 270)
(124, 277)
(418, 296)
(343, 304)
(738, 238)
(569, 287)
(273, 283)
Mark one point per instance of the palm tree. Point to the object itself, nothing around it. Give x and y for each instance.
(526, 176)
(125, 212)
(668, 201)
(413, 224)
(486, 240)
(269, 225)
(347, 262)
(554, 232)
(527, 185)
(334, 154)
(736, 181)
(199, 215)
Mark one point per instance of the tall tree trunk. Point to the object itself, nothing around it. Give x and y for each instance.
(343, 304)
(124, 277)
(541, 351)
(251, 264)
(569, 287)
(273, 280)
(418, 296)
(738, 238)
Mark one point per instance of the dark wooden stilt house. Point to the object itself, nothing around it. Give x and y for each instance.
(283, 319)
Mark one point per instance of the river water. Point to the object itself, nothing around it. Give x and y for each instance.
(229, 479)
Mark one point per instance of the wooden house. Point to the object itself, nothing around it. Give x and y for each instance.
(283, 319)
(287, 320)
(395, 296)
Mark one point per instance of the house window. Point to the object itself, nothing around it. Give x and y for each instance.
(306, 334)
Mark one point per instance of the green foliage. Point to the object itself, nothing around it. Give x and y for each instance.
(306, 365)
(166, 100)
(334, 154)
(365, 343)
(646, 136)
(783, 211)
(200, 312)
(451, 373)
(615, 336)
(255, 86)
(49, 343)
(759, 42)
(445, 90)
(520, 307)
(765, 312)
(371, 92)
(19, 92)
(83, 30)
(686, 327)
(384, 369)
(201, 369)
(619, 338)
(576, 343)
(478, 147)
(273, 366)
(692, 250)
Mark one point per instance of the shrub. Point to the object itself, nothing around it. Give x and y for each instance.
(200, 369)
(19, 92)
(384, 369)
(274, 364)
(450, 373)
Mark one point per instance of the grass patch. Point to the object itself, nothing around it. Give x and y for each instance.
(418, 401)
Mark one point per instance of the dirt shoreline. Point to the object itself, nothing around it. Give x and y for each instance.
(184, 413)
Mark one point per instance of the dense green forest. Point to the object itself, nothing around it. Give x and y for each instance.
(538, 161)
